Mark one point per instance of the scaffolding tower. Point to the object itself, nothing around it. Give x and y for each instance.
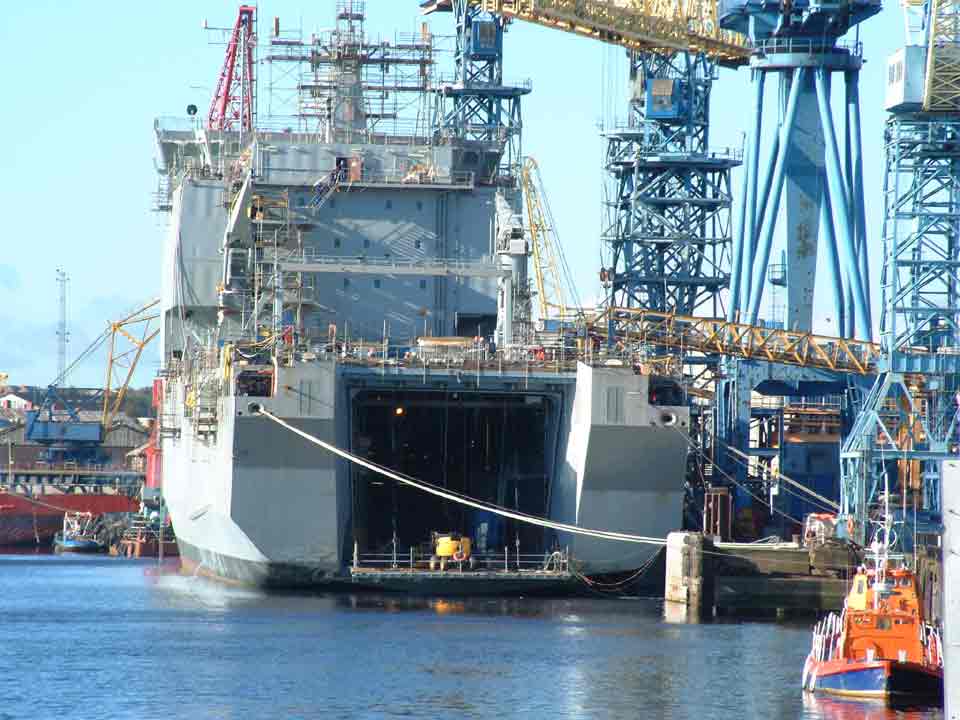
(346, 86)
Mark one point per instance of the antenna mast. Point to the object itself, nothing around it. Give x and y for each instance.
(63, 334)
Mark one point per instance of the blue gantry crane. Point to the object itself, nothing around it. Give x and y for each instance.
(797, 45)
(667, 221)
(668, 195)
(908, 421)
(791, 418)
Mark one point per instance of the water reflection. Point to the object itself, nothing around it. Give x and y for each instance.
(514, 607)
(678, 613)
(253, 654)
(819, 707)
(26, 550)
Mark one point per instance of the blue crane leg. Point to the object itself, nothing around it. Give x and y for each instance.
(772, 206)
(838, 195)
(750, 246)
(745, 239)
(738, 252)
(764, 197)
(849, 326)
(846, 327)
(859, 212)
(833, 256)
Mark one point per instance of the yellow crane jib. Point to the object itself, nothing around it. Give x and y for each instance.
(941, 91)
(138, 321)
(552, 291)
(641, 25)
(712, 335)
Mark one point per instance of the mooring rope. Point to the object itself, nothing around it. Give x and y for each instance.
(35, 503)
(462, 499)
(831, 504)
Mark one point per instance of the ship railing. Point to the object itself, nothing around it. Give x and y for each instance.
(806, 46)
(827, 637)
(85, 488)
(480, 356)
(67, 467)
(173, 123)
(932, 644)
(557, 561)
(141, 528)
(413, 176)
(310, 129)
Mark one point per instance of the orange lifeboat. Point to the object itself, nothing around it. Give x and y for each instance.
(880, 645)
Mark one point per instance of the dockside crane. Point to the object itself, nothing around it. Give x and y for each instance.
(667, 210)
(556, 295)
(907, 425)
(56, 423)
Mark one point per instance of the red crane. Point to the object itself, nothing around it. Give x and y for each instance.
(233, 101)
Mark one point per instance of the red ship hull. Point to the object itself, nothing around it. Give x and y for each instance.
(27, 520)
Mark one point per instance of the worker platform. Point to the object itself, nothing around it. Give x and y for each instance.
(500, 574)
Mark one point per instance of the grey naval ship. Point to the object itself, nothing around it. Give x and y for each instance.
(355, 262)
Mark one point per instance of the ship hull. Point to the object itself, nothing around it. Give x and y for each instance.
(260, 506)
(29, 521)
(879, 679)
(264, 574)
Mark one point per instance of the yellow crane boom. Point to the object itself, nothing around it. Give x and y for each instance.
(711, 335)
(641, 25)
(554, 289)
(139, 320)
(941, 91)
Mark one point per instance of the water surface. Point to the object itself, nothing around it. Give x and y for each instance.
(96, 637)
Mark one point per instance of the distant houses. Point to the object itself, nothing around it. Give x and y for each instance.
(12, 401)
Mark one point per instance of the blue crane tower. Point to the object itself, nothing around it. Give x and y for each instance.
(478, 116)
(477, 109)
(667, 222)
(668, 196)
(797, 44)
(908, 421)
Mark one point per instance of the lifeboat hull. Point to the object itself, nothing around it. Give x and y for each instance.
(883, 679)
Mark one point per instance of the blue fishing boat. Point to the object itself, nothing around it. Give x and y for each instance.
(78, 534)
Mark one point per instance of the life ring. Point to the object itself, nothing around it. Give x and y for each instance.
(459, 555)
(851, 525)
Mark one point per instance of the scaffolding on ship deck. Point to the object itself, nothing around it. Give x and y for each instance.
(343, 85)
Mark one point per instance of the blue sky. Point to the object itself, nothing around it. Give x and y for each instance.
(82, 87)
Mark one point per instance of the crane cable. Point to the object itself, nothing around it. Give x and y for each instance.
(458, 498)
(789, 481)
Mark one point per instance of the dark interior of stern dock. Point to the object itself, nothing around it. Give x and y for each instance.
(493, 447)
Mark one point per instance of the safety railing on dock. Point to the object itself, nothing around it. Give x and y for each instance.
(557, 561)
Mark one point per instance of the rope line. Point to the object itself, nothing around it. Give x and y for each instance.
(785, 488)
(732, 479)
(463, 499)
(37, 503)
(777, 474)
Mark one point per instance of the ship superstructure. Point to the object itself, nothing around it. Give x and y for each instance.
(357, 265)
